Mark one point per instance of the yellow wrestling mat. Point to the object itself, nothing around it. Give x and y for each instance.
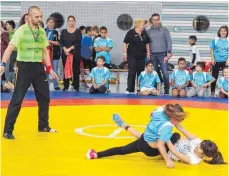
(84, 127)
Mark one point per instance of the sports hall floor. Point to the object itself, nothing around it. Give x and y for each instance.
(84, 121)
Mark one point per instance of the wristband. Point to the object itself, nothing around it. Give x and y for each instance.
(126, 127)
(3, 64)
(48, 69)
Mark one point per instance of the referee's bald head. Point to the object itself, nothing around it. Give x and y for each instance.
(32, 8)
(35, 15)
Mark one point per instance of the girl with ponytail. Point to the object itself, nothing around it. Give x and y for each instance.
(195, 150)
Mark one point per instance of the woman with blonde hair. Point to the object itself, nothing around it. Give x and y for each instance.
(136, 49)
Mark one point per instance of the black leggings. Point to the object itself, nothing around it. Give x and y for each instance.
(215, 72)
(139, 145)
(135, 66)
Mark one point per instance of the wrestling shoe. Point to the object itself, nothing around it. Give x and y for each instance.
(91, 154)
(117, 119)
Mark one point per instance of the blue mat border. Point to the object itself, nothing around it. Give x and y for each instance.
(84, 95)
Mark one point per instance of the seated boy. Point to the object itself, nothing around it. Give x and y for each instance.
(201, 82)
(100, 77)
(180, 79)
(223, 84)
(147, 80)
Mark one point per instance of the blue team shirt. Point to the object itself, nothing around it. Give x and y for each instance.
(159, 127)
(100, 75)
(148, 80)
(220, 48)
(105, 42)
(201, 78)
(86, 52)
(223, 83)
(180, 77)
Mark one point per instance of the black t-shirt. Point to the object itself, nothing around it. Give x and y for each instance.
(136, 43)
(68, 39)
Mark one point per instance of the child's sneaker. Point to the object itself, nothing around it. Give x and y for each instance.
(117, 119)
(91, 154)
(84, 84)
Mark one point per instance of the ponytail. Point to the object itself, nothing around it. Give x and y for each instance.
(174, 111)
(217, 159)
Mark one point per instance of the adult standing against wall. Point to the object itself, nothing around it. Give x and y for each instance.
(24, 19)
(219, 54)
(160, 48)
(31, 42)
(70, 41)
(136, 49)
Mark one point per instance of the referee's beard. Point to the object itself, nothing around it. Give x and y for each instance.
(36, 24)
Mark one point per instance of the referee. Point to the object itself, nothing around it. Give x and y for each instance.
(31, 43)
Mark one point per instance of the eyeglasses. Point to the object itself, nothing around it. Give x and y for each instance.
(156, 19)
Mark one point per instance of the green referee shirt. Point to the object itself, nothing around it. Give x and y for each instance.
(29, 50)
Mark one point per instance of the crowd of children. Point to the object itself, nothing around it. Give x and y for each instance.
(95, 55)
(185, 81)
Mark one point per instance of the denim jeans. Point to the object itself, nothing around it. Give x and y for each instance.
(55, 64)
(7, 71)
(158, 59)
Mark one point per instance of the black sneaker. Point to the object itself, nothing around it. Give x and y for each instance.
(175, 137)
(166, 92)
(8, 136)
(77, 90)
(57, 88)
(65, 89)
(47, 129)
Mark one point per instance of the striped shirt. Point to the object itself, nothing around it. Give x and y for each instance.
(28, 49)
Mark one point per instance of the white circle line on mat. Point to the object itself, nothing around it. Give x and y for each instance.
(112, 135)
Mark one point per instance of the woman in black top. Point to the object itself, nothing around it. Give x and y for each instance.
(70, 41)
(136, 49)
